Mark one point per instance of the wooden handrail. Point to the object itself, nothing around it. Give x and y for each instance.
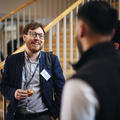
(61, 16)
(20, 49)
(16, 10)
(46, 28)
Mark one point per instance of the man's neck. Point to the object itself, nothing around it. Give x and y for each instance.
(91, 41)
(33, 56)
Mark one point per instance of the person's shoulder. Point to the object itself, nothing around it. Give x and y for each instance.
(15, 56)
(55, 56)
(50, 53)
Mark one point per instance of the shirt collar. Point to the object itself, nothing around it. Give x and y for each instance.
(97, 51)
(27, 58)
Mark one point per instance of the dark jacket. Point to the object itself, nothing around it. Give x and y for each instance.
(12, 79)
(100, 68)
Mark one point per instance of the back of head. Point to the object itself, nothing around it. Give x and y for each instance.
(99, 16)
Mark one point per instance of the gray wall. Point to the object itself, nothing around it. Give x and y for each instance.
(45, 8)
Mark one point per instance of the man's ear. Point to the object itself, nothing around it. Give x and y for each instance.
(116, 45)
(24, 37)
(113, 33)
(81, 30)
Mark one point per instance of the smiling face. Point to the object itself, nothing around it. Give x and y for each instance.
(34, 40)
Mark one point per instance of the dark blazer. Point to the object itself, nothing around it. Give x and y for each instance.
(9, 45)
(12, 79)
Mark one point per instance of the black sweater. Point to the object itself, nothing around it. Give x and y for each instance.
(100, 68)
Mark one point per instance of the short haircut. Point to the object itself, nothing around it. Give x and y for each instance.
(99, 16)
(32, 26)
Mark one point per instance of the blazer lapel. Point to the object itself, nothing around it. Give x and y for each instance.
(19, 68)
(41, 67)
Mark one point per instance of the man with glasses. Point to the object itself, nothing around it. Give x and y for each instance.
(29, 84)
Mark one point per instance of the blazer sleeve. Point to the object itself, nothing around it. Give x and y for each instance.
(6, 89)
(59, 82)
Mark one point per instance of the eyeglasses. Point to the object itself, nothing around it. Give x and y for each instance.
(34, 35)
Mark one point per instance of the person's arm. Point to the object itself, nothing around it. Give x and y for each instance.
(78, 101)
(6, 89)
(59, 82)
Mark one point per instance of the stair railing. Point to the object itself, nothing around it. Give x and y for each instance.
(14, 18)
(12, 25)
(49, 28)
(61, 22)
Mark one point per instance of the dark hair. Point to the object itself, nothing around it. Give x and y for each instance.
(116, 37)
(99, 16)
(32, 26)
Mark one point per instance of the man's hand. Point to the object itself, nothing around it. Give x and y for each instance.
(21, 94)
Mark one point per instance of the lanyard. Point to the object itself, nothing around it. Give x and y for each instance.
(28, 82)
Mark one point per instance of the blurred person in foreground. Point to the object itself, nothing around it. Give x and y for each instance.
(28, 82)
(93, 93)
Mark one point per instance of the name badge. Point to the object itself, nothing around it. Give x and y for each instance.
(45, 74)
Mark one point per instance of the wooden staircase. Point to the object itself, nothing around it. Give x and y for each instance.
(61, 46)
(61, 58)
(1, 107)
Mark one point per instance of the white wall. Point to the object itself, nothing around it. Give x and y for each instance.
(9, 5)
(45, 8)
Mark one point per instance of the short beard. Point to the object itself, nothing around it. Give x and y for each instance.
(35, 51)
